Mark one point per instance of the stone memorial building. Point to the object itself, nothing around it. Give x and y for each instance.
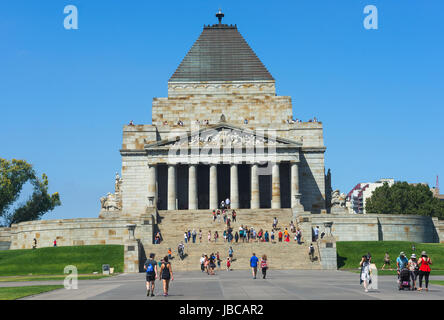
(222, 132)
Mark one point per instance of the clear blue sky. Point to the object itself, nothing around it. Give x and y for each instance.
(65, 95)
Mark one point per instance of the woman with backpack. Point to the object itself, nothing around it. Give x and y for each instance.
(166, 274)
(424, 270)
(264, 266)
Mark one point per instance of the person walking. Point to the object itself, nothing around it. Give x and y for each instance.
(218, 259)
(166, 275)
(264, 266)
(194, 234)
(209, 236)
(280, 236)
(228, 264)
(311, 251)
(236, 237)
(202, 263)
(170, 254)
(233, 216)
(200, 236)
(424, 270)
(55, 243)
(401, 263)
(386, 260)
(365, 271)
(253, 264)
(266, 236)
(230, 253)
(275, 223)
(272, 235)
(185, 237)
(150, 267)
(413, 270)
(298, 236)
(216, 235)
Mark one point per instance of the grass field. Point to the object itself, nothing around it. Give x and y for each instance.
(12, 293)
(440, 282)
(53, 260)
(51, 277)
(350, 253)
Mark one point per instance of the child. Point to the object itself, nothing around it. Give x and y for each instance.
(228, 264)
(169, 253)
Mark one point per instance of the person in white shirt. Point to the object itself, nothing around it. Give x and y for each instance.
(227, 203)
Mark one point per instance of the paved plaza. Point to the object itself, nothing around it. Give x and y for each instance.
(279, 285)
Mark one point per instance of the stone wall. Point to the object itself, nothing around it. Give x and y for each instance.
(374, 227)
(5, 238)
(74, 232)
(134, 190)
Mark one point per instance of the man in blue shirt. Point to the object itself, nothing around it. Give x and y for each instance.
(401, 263)
(253, 264)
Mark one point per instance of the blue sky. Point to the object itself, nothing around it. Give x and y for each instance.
(65, 94)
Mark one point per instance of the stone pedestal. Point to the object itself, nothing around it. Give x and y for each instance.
(131, 256)
(327, 252)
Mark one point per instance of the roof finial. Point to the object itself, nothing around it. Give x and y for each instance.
(220, 15)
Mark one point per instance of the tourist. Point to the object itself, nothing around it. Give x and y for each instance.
(298, 235)
(212, 264)
(216, 235)
(34, 246)
(228, 264)
(286, 235)
(207, 265)
(55, 243)
(209, 236)
(222, 204)
(230, 253)
(275, 223)
(236, 237)
(292, 227)
(214, 215)
(131, 123)
(365, 271)
(316, 233)
(227, 203)
(185, 236)
(424, 270)
(253, 264)
(218, 260)
(259, 235)
(218, 215)
(272, 235)
(280, 234)
(233, 216)
(194, 234)
(189, 235)
(386, 260)
(200, 236)
(170, 254)
(311, 252)
(413, 270)
(181, 250)
(166, 274)
(224, 215)
(401, 263)
(150, 267)
(266, 236)
(225, 235)
(228, 222)
(245, 121)
(264, 266)
(202, 263)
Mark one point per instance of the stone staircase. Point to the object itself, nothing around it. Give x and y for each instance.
(281, 255)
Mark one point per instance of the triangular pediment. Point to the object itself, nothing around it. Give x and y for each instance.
(223, 135)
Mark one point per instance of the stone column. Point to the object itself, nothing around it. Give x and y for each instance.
(213, 187)
(171, 187)
(234, 186)
(275, 187)
(254, 203)
(152, 194)
(192, 187)
(294, 183)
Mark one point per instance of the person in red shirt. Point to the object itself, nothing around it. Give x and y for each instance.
(280, 236)
(424, 270)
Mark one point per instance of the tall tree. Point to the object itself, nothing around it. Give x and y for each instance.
(404, 198)
(14, 175)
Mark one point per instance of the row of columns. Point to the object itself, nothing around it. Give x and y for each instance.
(234, 186)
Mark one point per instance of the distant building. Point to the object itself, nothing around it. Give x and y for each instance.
(357, 197)
(436, 194)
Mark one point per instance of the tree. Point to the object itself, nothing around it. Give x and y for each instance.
(14, 175)
(404, 198)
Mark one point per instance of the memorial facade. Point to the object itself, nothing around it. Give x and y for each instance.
(222, 132)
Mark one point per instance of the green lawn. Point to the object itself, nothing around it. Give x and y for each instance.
(350, 253)
(12, 293)
(51, 277)
(440, 282)
(52, 260)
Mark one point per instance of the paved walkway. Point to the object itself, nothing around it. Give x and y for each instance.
(279, 285)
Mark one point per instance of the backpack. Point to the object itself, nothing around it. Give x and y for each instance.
(150, 268)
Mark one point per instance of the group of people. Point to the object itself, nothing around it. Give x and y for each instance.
(208, 262)
(163, 272)
(217, 214)
(411, 268)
